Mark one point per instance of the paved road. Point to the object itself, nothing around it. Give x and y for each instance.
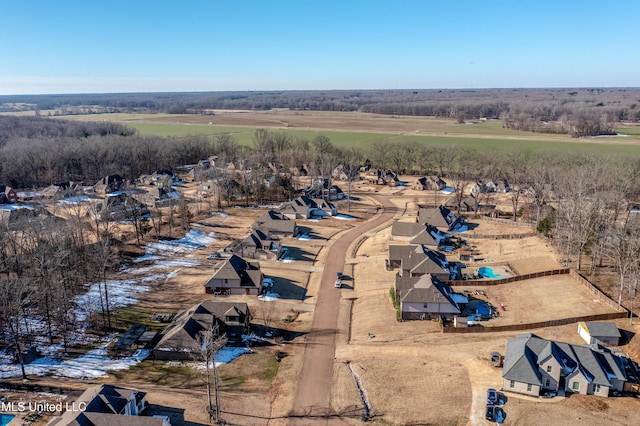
(312, 401)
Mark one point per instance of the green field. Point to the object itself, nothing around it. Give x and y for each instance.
(244, 136)
(483, 135)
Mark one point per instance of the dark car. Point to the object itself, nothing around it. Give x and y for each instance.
(492, 396)
(491, 412)
(339, 275)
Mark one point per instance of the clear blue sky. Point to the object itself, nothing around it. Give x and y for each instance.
(94, 46)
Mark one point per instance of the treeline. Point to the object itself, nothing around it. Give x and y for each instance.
(519, 106)
(36, 152)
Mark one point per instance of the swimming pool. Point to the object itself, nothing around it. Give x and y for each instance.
(5, 419)
(485, 272)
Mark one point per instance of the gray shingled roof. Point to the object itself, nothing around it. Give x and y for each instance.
(602, 329)
(406, 229)
(424, 289)
(526, 351)
(440, 217)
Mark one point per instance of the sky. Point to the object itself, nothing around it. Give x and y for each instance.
(110, 46)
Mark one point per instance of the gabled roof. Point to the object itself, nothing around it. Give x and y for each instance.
(400, 252)
(527, 351)
(602, 329)
(440, 217)
(425, 238)
(406, 229)
(183, 333)
(424, 289)
(425, 261)
(520, 361)
(236, 268)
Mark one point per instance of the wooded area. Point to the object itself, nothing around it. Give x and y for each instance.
(582, 202)
(578, 112)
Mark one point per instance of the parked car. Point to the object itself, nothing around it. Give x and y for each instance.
(338, 283)
(339, 275)
(490, 412)
(492, 396)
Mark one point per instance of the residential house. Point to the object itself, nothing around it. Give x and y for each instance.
(383, 177)
(121, 206)
(397, 253)
(533, 365)
(440, 217)
(431, 238)
(425, 297)
(15, 216)
(158, 196)
(604, 333)
(257, 245)
(468, 203)
(423, 261)
(405, 231)
(305, 207)
(108, 405)
(325, 191)
(110, 184)
(483, 187)
(275, 225)
(182, 339)
(429, 183)
(236, 276)
(8, 195)
(60, 190)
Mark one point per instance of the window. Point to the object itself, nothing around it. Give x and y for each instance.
(549, 368)
(575, 386)
(512, 384)
(596, 389)
(529, 387)
(547, 383)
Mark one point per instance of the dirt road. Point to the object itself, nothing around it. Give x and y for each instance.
(312, 402)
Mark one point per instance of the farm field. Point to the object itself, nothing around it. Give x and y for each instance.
(352, 129)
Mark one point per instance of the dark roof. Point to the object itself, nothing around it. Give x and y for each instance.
(400, 252)
(602, 329)
(237, 268)
(406, 229)
(424, 289)
(526, 351)
(440, 217)
(183, 333)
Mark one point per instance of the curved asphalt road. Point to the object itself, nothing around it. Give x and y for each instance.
(312, 400)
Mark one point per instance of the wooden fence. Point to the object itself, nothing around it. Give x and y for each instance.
(533, 325)
(509, 222)
(621, 312)
(500, 236)
(490, 282)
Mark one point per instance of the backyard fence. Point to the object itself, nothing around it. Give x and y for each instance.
(490, 282)
(500, 236)
(621, 312)
(533, 325)
(509, 222)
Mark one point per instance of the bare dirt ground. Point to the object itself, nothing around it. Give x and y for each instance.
(411, 373)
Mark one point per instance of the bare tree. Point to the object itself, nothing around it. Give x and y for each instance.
(210, 342)
(14, 298)
(623, 248)
(351, 160)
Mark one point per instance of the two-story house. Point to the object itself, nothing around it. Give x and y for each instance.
(533, 365)
(236, 276)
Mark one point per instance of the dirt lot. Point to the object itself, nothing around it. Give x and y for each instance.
(410, 371)
(413, 374)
